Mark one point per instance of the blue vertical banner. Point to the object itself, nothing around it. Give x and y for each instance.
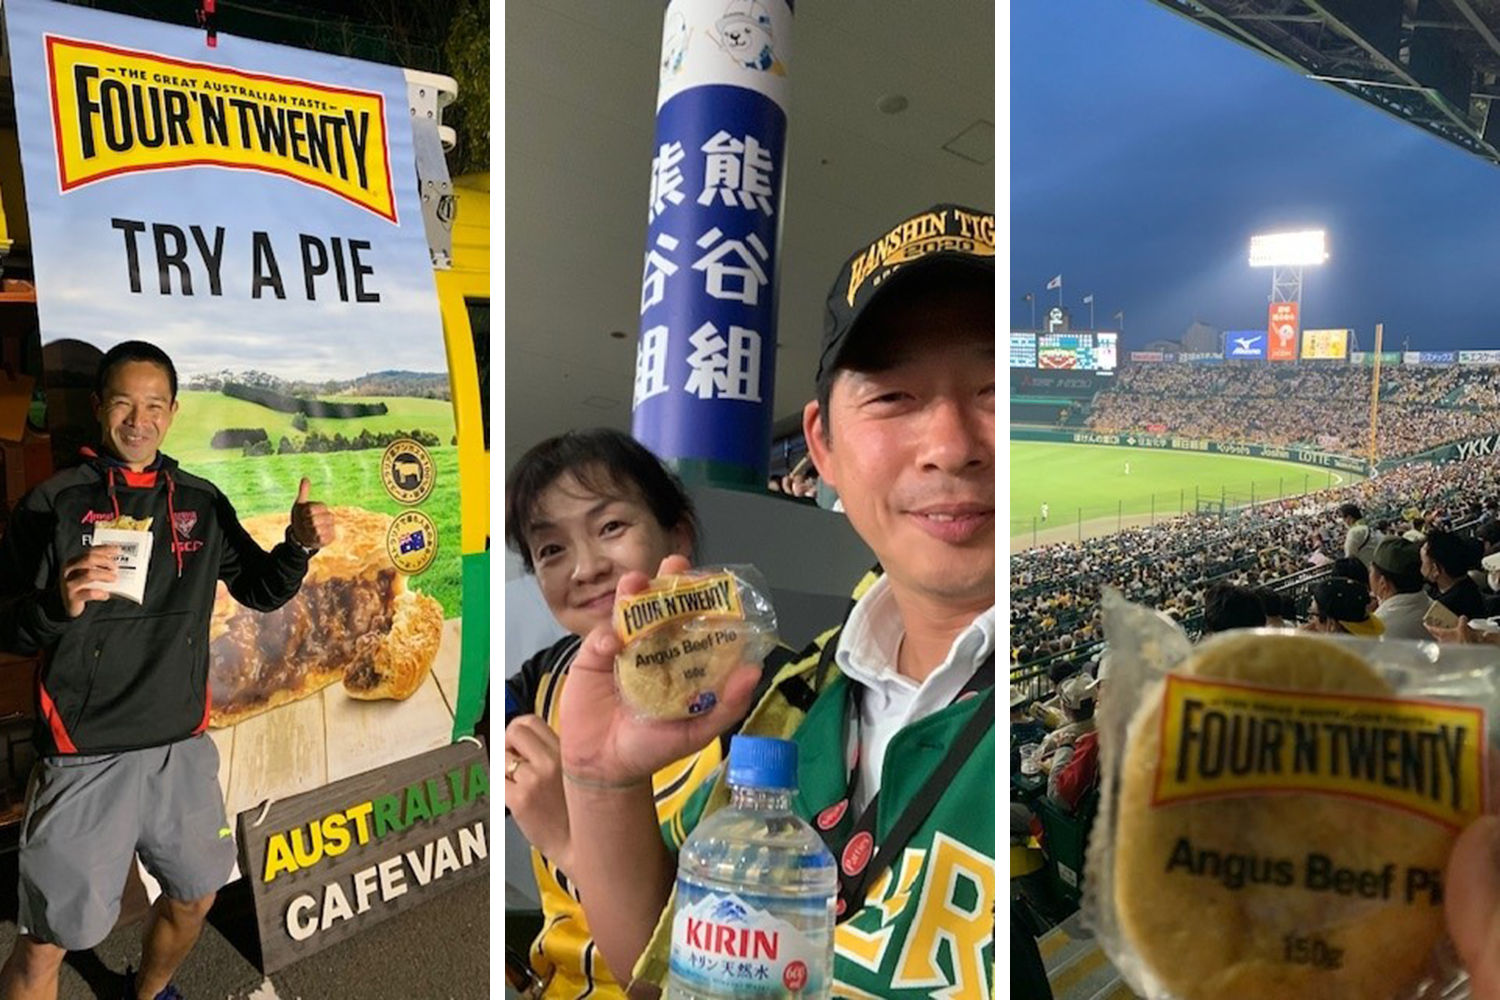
(706, 356)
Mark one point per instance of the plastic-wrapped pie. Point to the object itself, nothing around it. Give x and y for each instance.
(1280, 812)
(684, 634)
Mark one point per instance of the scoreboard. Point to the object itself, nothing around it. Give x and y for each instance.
(1087, 352)
(1023, 350)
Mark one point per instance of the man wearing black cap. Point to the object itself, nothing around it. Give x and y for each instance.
(1446, 561)
(1343, 606)
(1396, 581)
(903, 427)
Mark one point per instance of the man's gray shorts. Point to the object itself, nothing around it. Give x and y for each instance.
(88, 816)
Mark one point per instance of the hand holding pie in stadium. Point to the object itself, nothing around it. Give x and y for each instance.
(604, 741)
(312, 522)
(685, 633)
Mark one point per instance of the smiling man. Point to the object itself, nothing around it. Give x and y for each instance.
(903, 428)
(125, 767)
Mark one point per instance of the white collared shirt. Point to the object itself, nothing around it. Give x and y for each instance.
(867, 656)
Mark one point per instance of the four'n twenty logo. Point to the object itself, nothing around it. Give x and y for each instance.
(118, 111)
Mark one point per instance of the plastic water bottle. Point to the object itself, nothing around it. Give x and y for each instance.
(756, 889)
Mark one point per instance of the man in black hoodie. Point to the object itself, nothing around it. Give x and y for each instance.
(125, 767)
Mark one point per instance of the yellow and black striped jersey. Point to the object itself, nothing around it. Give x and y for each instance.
(563, 955)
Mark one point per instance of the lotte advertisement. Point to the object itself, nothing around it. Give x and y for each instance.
(252, 210)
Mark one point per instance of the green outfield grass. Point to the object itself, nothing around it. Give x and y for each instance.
(203, 413)
(1088, 482)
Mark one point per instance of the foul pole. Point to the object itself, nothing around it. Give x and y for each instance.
(1375, 392)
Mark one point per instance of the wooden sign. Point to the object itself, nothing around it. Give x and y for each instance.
(328, 863)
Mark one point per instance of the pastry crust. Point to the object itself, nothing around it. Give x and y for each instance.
(354, 620)
(357, 551)
(406, 657)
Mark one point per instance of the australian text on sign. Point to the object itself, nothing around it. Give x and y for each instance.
(310, 844)
(304, 846)
(117, 111)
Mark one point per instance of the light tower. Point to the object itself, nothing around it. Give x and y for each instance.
(1286, 254)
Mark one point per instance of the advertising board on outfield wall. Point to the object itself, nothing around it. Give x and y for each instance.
(1325, 345)
(1479, 357)
(1248, 345)
(1170, 442)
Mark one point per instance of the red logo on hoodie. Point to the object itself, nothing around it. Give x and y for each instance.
(184, 521)
(95, 516)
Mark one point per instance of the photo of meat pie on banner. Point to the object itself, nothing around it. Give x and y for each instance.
(253, 211)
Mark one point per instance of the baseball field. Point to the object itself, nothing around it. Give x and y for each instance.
(1088, 485)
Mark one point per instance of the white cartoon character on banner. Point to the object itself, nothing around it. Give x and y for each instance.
(745, 35)
(674, 44)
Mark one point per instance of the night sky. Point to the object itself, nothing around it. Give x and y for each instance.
(1145, 151)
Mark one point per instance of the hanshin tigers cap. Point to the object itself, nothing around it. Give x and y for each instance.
(942, 238)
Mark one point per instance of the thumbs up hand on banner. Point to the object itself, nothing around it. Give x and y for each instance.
(312, 522)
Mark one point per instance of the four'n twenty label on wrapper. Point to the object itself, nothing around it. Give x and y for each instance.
(1222, 739)
(683, 635)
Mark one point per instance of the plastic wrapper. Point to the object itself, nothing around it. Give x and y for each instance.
(684, 634)
(1278, 809)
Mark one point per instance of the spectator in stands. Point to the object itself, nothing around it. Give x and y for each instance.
(1418, 531)
(1359, 539)
(1489, 536)
(1076, 695)
(1446, 561)
(1490, 564)
(1396, 581)
(1278, 607)
(1169, 565)
(1342, 606)
(1226, 607)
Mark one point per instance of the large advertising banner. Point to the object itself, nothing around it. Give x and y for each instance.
(252, 210)
(1281, 332)
(1479, 357)
(1325, 345)
(1247, 345)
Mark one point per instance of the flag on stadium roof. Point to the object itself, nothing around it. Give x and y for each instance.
(1054, 283)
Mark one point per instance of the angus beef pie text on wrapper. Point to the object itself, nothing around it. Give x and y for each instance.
(1279, 810)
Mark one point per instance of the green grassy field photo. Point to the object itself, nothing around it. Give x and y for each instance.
(201, 414)
(268, 483)
(1088, 484)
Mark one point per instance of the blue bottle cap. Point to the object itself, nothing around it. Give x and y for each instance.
(762, 762)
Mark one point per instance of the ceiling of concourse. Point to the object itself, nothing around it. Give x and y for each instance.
(579, 118)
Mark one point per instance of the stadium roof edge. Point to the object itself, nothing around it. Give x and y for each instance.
(1438, 73)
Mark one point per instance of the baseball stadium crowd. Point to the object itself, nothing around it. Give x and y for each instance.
(1320, 407)
(1171, 565)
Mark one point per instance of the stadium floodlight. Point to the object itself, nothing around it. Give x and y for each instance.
(1289, 249)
